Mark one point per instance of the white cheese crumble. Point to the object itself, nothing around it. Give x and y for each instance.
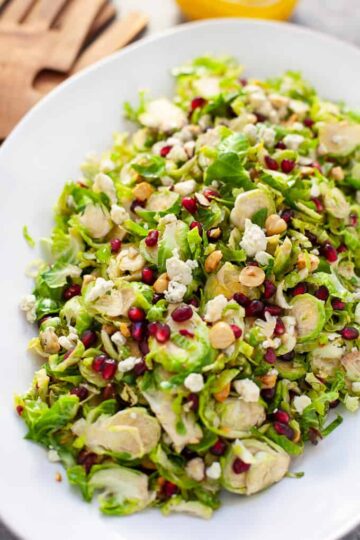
(214, 308)
(207, 87)
(272, 343)
(177, 153)
(248, 390)
(128, 364)
(175, 292)
(100, 288)
(118, 214)
(27, 304)
(163, 115)
(267, 135)
(185, 188)
(118, 339)
(251, 132)
(298, 107)
(355, 386)
(194, 382)
(179, 270)
(254, 239)
(301, 402)
(293, 141)
(104, 184)
(195, 468)
(214, 471)
(69, 341)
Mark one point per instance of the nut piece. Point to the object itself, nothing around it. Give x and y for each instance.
(214, 233)
(124, 329)
(268, 380)
(162, 283)
(221, 335)
(222, 394)
(252, 276)
(274, 224)
(143, 191)
(337, 173)
(212, 261)
(314, 262)
(109, 329)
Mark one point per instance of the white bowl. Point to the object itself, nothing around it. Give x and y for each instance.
(40, 155)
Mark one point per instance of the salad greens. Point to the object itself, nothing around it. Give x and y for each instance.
(198, 311)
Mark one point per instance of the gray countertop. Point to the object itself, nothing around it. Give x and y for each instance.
(338, 17)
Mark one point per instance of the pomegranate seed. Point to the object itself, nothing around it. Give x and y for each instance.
(144, 347)
(148, 275)
(334, 404)
(282, 416)
(182, 313)
(152, 328)
(71, 291)
(140, 368)
(197, 103)
(284, 429)
(349, 332)
(193, 400)
(342, 248)
(287, 357)
(137, 330)
(68, 353)
(279, 327)
(98, 363)
(338, 304)
(193, 302)
(109, 392)
(162, 333)
(329, 252)
(219, 448)
(169, 489)
(19, 409)
(300, 288)
(287, 215)
(255, 308)
(253, 263)
(165, 150)
(287, 165)
(271, 163)
(135, 204)
(87, 459)
(281, 145)
(322, 293)
(241, 299)
(88, 338)
(109, 369)
(157, 297)
(314, 436)
(136, 314)
(313, 239)
(353, 220)
(269, 289)
(318, 203)
(260, 117)
(275, 311)
(152, 238)
(211, 194)
(115, 245)
(239, 466)
(80, 391)
(270, 356)
(308, 122)
(268, 393)
(237, 331)
(189, 203)
(186, 333)
(243, 82)
(197, 225)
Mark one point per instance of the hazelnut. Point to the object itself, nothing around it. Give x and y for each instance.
(252, 276)
(109, 329)
(212, 261)
(268, 380)
(221, 335)
(314, 262)
(162, 283)
(337, 173)
(143, 191)
(124, 329)
(274, 224)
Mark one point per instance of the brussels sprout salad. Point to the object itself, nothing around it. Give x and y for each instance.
(198, 308)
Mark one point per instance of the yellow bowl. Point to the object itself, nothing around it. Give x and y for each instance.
(260, 9)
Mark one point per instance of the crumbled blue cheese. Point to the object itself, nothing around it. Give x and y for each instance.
(101, 287)
(195, 469)
(267, 134)
(163, 115)
(247, 390)
(214, 308)
(179, 270)
(118, 214)
(128, 364)
(118, 339)
(293, 141)
(194, 382)
(175, 292)
(251, 132)
(104, 184)
(185, 188)
(214, 471)
(254, 239)
(301, 402)
(27, 304)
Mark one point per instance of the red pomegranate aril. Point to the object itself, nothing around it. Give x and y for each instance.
(279, 327)
(136, 314)
(284, 429)
(197, 103)
(287, 166)
(268, 394)
(165, 150)
(349, 333)
(88, 338)
(253, 263)
(197, 225)
(338, 304)
(271, 163)
(237, 330)
(239, 466)
(318, 204)
(353, 219)
(255, 308)
(80, 391)
(152, 238)
(109, 369)
(287, 215)
(87, 459)
(144, 347)
(322, 293)
(137, 330)
(140, 368)
(329, 252)
(270, 356)
(193, 401)
(19, 409)
(186, 333)
(269, 289)
(308, 122)
(163, 332)
(109, 392)
(312, 237)
(193, 302)
(211, 194)
(169, 489)
(282, 416)
(219, 448)
(314, 436)
(275, 311)
(342, 248)
(136, 204)
(260, 117)
(157, 297)
(98, 363)
(300, 288)
(241, 299)
(148, 275)
(71, 291)
(334, 404)
(152, 328)
(281, 146)
(115, 245)
(287, 357)
(182, 313)
(189, 203)
(243, 82)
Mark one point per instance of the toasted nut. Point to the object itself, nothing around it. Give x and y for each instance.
(109, 329)
(160, 481)
(223, 393)
(162, 283)
(88, 278)
(124, 329)
(337, 173)
(214, 233)
(143, 191)
(221, 335)
(268, 381)
(212, 261)
(252, 276)
(202, 200)
(148, 464)
(297, 436)
(58, 477)
(314, 262)
(274, 224)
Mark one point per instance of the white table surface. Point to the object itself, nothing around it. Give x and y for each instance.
(339, 17)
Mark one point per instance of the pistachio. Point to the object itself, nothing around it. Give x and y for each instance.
(252, 276)
(162, 283)
(221, 335)
(212, 261)
(274, 224)
(143, 191)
